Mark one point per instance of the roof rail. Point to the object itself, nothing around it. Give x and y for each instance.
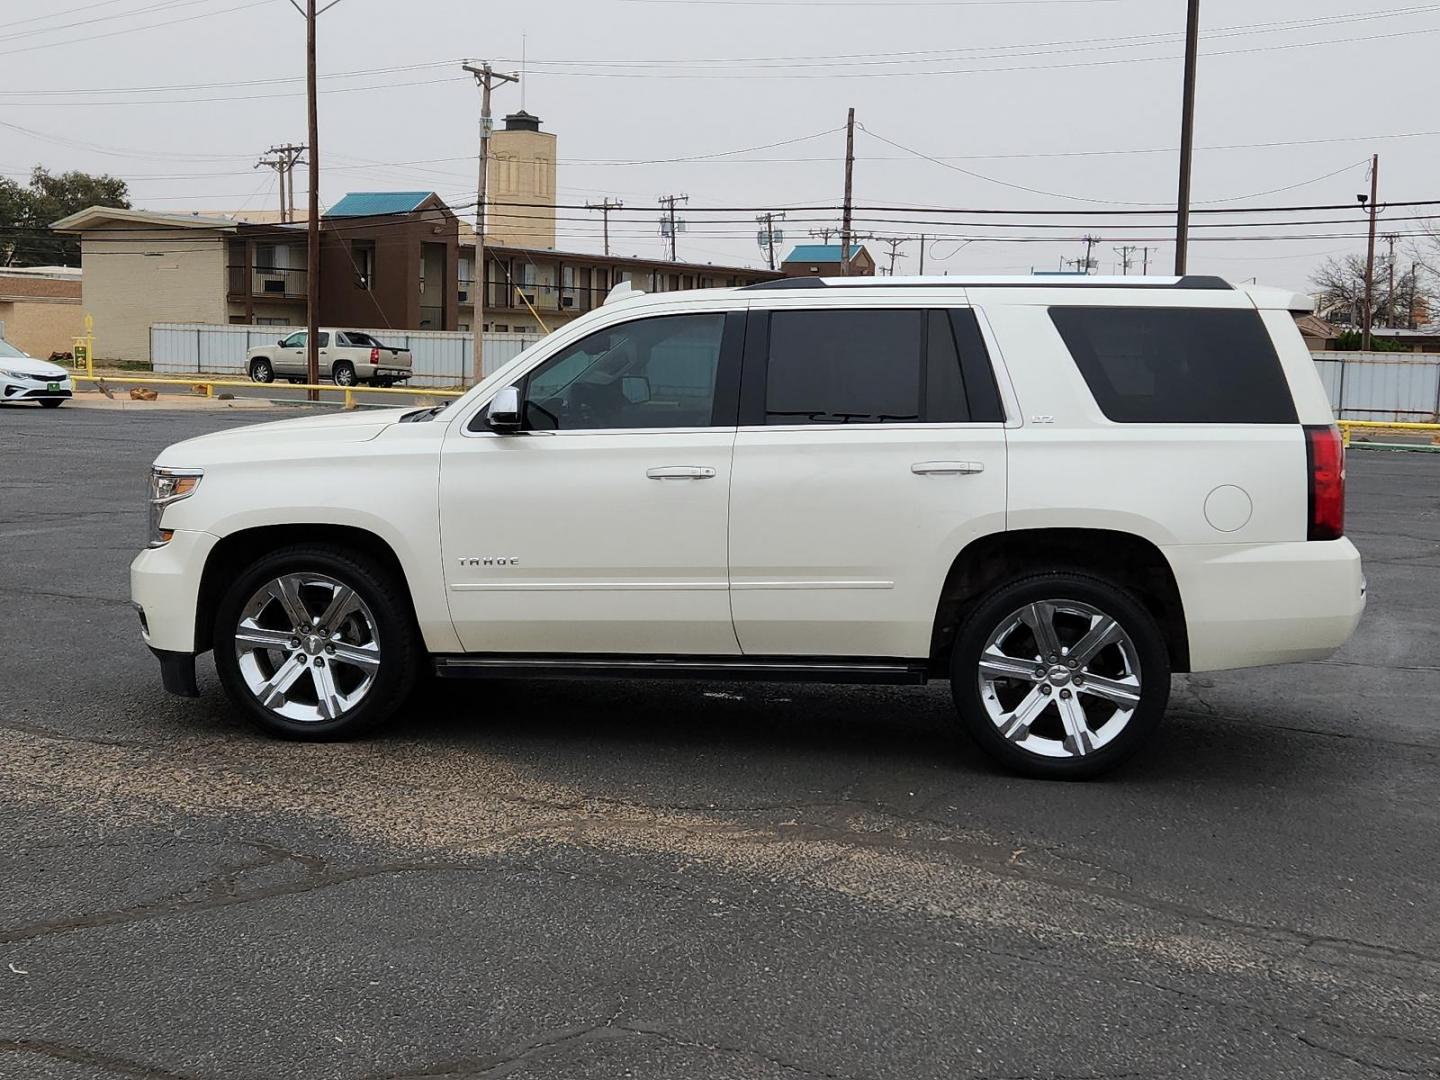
(1190, 281)
(786, 283)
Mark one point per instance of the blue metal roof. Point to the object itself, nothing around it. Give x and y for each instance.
(366, 203)
(819, 253)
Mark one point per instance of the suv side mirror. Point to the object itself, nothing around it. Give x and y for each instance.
(503, 416)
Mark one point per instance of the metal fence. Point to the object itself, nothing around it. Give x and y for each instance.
(1382, 386)
(442, 358)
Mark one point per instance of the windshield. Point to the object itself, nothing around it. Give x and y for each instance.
(6, 349)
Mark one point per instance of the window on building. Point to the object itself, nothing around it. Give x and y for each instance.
(1177, 365)
(362, 255)
(650, 373)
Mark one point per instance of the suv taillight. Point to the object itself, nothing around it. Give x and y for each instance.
(374, 356)
(1325, 461)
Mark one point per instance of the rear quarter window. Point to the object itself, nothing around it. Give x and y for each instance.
(1177, 365)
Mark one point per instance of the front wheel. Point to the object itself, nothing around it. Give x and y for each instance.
(317, 642)
(344, 373)
(261, 371)
(1060, 675)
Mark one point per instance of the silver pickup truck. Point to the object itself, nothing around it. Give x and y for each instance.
(348, 357)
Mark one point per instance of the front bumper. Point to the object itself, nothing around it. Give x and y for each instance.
(35, 389)
(165, 587)
(1252, 604)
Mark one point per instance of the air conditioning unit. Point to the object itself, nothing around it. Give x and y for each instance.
(464, 296)
(567, 301)
(272, 284)
(529, 298)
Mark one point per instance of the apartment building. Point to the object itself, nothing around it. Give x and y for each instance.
(387, 259)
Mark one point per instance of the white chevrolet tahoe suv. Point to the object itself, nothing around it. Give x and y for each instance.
(1052, 495)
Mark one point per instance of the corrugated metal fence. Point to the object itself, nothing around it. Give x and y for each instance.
(1361, 386)
(442, 358)
(1382, 386)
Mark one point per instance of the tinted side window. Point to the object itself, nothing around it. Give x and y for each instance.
(844, 367)
(650, 373)
(1177, 365)
(294, 341)
(944, 388)
(323, 339)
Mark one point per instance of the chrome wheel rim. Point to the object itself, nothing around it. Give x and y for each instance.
(344, 377)
(1060, 678)
(308, 647)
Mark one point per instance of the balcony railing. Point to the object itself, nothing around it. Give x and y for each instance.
(268, 281)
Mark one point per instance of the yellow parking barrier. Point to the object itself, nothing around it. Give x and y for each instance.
(1399, 426)
(207, 387)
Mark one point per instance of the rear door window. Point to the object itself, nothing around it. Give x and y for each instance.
(873, 366)
(844, 367)
(1177, 365)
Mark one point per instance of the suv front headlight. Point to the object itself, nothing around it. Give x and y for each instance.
(168, 486)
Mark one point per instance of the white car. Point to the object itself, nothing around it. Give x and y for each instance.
(1052, 495)
(23, 378)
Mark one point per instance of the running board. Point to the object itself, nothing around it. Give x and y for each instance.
(718, 668)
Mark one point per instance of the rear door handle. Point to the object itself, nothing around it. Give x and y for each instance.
(947, 468)
(681, 472)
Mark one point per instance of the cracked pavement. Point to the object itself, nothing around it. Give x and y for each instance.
(560, 880)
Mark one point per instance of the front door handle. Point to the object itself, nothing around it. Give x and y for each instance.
(681, 472)
(947, 468)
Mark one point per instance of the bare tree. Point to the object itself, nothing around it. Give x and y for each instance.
(1340, 292)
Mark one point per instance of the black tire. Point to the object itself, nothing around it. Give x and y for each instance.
(261, 371)
(52, 403)
(997, 610)
(401, 649)
(343, 373)
(295, 382)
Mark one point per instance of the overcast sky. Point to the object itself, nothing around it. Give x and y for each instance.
(1077, 101)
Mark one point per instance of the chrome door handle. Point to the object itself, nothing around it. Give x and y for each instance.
(681, 472)
(947, 468)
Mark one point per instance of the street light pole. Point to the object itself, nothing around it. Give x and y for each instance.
(1187, 139)
(1368, 314)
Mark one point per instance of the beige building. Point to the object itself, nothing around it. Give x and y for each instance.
(520, 184)
(40, 311)
(142, 267)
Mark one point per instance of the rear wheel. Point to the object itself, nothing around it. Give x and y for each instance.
(261, 371)
(52, 403)
(1060, 675)
(344, 373)
(317, 642)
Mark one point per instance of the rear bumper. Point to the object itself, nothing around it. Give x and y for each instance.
(1252, 604)
(165, 587)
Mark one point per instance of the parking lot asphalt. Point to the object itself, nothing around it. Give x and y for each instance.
(563, 880)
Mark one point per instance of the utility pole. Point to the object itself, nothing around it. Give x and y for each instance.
(283, 160)
(1126, 254)
(824, 233)
(922, 254)
(1369, 313)
(1390, 239)
(312, 225)
(605, 208)
(668, 224)
(278, 164)
(1187, 139)
(1089, 242)
(894, 242)
(1145, 266)
(487, 79)
(767, 234)
(846, 218)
